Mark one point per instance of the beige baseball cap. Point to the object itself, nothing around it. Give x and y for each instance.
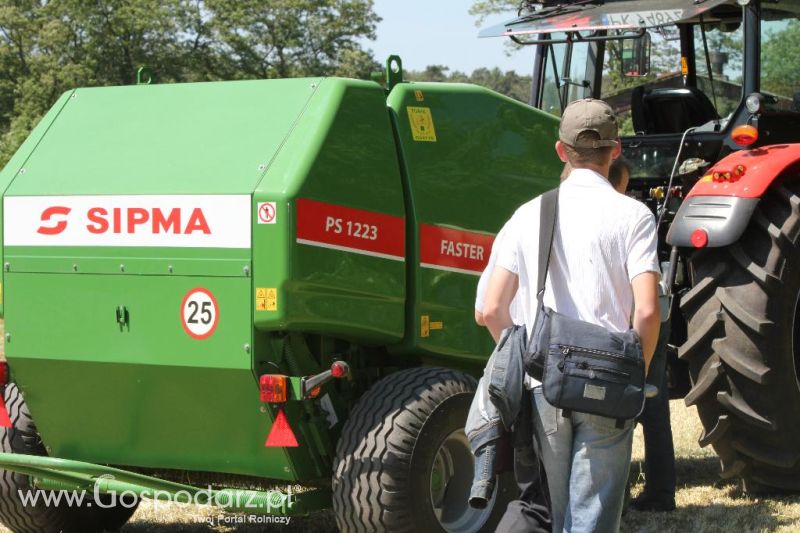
(588, 115)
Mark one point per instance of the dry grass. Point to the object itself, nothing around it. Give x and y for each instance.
(705, 502)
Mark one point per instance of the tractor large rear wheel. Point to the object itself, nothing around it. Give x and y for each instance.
(743, 345)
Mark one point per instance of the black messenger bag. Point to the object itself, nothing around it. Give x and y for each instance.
(583, 367)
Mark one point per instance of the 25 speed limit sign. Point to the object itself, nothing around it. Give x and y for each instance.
(199, 313)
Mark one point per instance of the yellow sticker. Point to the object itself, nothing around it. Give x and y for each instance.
(437, 325)
(425, 330)
(266, 299)
(707, 177)
(419, 96)
(684, 66)
(272, 299)
(421, 122)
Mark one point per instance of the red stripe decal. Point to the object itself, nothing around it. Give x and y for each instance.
(353, 230)
(452, 249)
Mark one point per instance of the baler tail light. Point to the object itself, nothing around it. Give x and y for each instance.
(5, 420)
(273, 388)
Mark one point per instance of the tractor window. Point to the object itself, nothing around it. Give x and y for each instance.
(723, 88)
(723, 85)
(567, 75)
(665, 71)
(780, 60)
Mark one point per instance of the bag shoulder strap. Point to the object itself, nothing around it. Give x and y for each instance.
(547, 229)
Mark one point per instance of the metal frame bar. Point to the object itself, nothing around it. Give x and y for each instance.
(575, 36)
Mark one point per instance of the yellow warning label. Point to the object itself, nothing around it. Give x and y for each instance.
(437, 325)
(266, 299)
(684, 66)
(419, 96)
(707, 177)
(421, 122)
(424, 326)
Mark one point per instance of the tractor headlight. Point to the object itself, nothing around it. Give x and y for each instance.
(753, 103)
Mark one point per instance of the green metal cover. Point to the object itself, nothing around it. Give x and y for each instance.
(192, 138)
(468, 155)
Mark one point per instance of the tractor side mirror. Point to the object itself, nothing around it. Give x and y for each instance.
(635, 55)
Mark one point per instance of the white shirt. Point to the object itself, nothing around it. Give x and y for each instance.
(515, 308)
(603, 240)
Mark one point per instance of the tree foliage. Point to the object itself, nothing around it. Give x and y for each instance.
(780, 56)
(486, 8)
(49, 46)
(508, 83)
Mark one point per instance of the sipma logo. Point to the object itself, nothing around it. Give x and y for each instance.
(145, 220)
(129, 220)
(48, 214)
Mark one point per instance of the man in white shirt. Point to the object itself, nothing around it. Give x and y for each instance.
(603, 270)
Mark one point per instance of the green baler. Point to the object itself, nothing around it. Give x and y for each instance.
(175, 254)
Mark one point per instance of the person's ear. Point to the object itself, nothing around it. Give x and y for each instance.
(617, 151)
(562, 153)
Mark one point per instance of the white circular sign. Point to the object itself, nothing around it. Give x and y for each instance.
(199, 313)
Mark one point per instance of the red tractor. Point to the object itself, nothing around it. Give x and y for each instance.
(709, 98)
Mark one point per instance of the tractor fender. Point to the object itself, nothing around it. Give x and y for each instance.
(722, 202)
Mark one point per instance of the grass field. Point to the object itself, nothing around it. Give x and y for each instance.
(705, 502)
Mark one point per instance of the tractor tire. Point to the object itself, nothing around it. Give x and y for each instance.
(403, 462)
(22, 438)
(743, 346)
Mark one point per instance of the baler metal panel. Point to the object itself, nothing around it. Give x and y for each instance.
(145, 393)
(198, 138)
(341, 217)
(18, 160)
(466, 152)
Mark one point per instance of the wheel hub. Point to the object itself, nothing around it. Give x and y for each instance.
(450, 484)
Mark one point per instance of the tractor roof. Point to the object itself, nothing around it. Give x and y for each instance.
(589, 15)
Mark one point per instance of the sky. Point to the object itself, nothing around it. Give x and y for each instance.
(441, 32)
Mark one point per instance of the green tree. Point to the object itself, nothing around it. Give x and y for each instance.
(485, 8)
(508, 83)
(780, 60)
(286, 38)
(49, 46)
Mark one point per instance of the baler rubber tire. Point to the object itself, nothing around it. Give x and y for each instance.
(743, 326)
(384, 459)
(23, 438)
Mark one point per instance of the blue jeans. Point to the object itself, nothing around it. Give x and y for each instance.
(586, 459)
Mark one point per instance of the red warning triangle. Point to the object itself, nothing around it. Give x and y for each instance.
(281, 434)
(5, 421)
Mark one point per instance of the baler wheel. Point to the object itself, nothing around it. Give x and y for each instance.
(23, 438)
(403, 462)
(743, 345)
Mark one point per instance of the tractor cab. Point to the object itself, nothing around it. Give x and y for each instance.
(672, 70)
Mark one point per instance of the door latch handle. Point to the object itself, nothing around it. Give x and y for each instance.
(123, 317)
